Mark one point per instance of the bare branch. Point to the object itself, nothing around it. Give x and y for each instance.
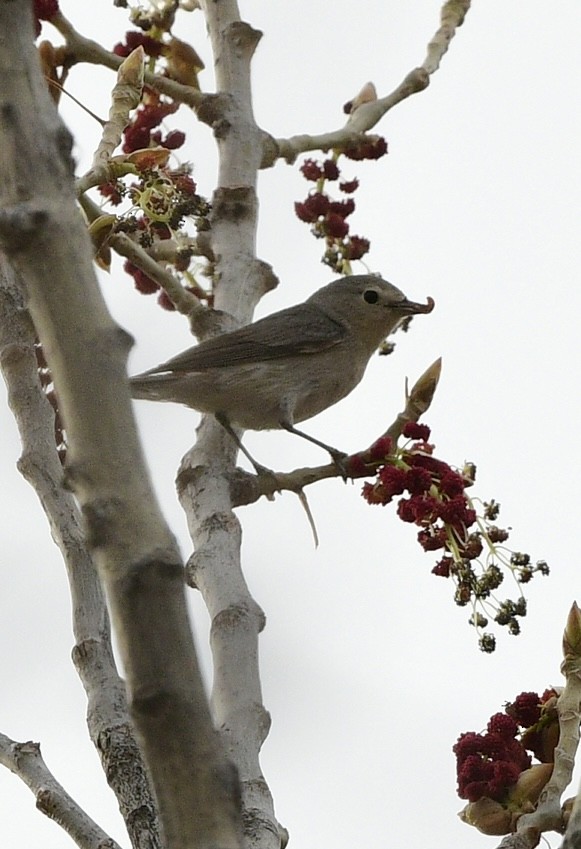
(215, 568)
(107, 714)
(368, 114)
(81, 49)
(125, 96)
(185, 302)
(25, 761)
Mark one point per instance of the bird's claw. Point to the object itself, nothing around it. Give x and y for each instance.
(339, 458)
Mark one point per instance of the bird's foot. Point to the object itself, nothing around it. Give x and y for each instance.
(339, 458)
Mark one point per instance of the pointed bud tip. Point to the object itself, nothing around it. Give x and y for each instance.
(572, 634)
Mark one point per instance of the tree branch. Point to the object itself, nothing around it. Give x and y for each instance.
(204, 490)
(81, 49)
(107, 716)
(248, 488)
(25, 761)
(135, 553)
(368, 114)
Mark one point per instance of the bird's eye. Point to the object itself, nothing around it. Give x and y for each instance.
(370, 296)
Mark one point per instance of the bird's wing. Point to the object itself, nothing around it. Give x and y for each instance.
(303, 329)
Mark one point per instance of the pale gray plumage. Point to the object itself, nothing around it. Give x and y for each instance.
(289, 366)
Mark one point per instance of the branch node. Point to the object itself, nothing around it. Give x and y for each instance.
(19, 221)
(243, 38)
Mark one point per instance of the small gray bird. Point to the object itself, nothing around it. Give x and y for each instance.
(289, 366)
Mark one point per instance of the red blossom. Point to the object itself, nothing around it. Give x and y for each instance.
(423, 508)
(150, 115)
(432, 539)
(122, 50)
(405, 510)
(356, 467)
(330, 169)
(164, 300)
(311, 170)
(374, 494)
(335, 226)
(488, 764)
(136, 138)
(359, 464)
(472, 548)
(173, 140)
(442, 567)
(503, 725)
(436, 467)
(543, 738)
(381, 448)
(526, 709)
(497, 534)
(392, 479)
(478, 778)
(112, 192)
(456, 511)
(356, 248)
(312, 208)
(427, 508)
(422, 447)
(549, 693)
(349, 186)
(451, 483)
(45, 10)
(143, 283)
(469, 743)
(413, 430)
(418, 480)
(184, 184)
(368, 150)
(150, 45)
(342, 207)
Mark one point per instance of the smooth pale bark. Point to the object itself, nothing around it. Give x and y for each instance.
(25, 760)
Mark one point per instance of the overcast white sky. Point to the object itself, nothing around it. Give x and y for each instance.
(370, 672)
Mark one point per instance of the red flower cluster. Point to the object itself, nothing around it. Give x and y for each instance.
(371, 149)
(328, 217)
(147, 286)
(134, 38)
(437, 502)
(141, 133)
(488, 765)
(114, 191)
(538, 716)
(44, 10)
(526, 709)
(165, 198)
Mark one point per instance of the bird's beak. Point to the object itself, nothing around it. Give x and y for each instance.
(411, 308)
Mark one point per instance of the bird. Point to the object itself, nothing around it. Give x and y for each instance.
(289, 366)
